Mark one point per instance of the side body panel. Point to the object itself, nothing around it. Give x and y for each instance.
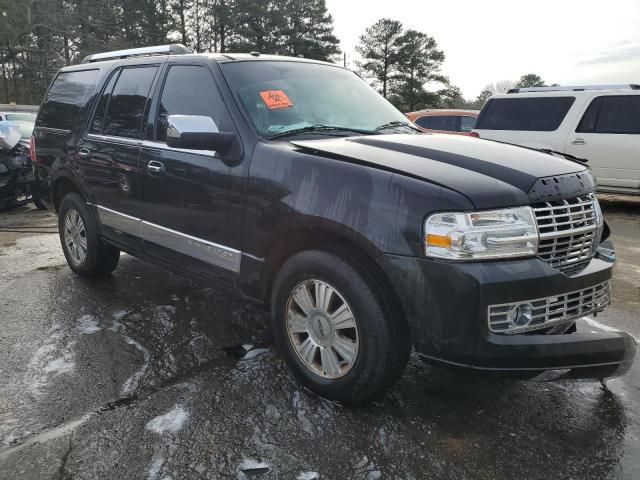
(291, 193)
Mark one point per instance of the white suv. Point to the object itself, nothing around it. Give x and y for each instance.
(598, 123)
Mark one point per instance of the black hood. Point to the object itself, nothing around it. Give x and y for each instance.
(490, 174)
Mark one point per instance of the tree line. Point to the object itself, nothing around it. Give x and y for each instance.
(38, 37)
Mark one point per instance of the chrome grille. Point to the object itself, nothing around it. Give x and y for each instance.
(568, 231)
(550, 311)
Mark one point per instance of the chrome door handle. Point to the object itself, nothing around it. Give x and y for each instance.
(155, 167)
(84, 153)
(578, 141)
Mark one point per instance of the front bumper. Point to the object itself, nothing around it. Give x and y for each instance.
(446, 305)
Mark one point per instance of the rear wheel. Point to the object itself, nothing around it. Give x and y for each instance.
(85, 252)
(335, 329)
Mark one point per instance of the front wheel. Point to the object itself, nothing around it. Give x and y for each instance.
(85, 252)
(335, 328)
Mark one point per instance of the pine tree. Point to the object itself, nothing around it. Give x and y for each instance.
(379, 48)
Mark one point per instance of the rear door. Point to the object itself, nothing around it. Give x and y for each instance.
(608, 135)
(108, 153)
(192, 199)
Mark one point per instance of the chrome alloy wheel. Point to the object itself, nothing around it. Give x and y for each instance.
(322, 329)
(75, 236)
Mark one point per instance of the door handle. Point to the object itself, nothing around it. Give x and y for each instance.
(155, 167)
(578, 141)
(84, 153)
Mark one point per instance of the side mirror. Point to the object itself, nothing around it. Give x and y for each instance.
(197, 132)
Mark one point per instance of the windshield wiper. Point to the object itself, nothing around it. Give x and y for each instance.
(320, 129)
(568, 156)
(395, 124)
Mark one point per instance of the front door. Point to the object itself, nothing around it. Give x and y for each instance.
(108, 154)
(192, 200)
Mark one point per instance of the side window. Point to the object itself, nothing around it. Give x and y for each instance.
(619, 114)
(189, 90)
(447, 123)
(534, 114)
(68, 94)
(98, 119)
(126, 107)
(588, 122)
(424, 122)
(467, 123)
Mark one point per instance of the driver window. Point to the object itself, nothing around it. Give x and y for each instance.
(189, 90)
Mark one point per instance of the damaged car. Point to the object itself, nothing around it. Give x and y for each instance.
(294, 184)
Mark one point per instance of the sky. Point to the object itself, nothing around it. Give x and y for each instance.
(570, 42)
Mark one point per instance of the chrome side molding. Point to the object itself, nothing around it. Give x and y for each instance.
(198, 248)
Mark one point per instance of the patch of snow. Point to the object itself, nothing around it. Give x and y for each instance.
(87, 324)
(60, 365)
(252, 467)
(119, 315)
(134, 380)
(298, 404)
(163, 313)
(12, 438)
(254, 353)
(171, 422)
(247, 346)
(308, 476)
(374, 475)
(156, 465)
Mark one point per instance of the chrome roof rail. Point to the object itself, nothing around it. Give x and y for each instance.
(173, 49)
(577, 88)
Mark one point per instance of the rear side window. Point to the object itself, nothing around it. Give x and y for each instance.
(126, 106)
(68, 94)
(449, 123)
(467, 123)
(189, 90)
(541, 114)
(619, 114)
(101, 109)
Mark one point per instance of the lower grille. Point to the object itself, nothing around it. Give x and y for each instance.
(568, 232)
(550, 311)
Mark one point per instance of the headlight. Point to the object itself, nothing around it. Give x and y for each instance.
(480, 235)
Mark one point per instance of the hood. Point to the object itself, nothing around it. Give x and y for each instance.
(489, 174)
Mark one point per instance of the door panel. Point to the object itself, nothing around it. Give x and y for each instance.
(108, 156)
(192, 201)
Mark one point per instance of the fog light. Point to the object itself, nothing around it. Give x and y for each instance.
(521, 315)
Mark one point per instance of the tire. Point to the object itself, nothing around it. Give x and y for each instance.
(86, 253)
(351, 348)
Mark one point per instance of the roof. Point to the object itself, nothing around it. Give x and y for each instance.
(178, 52)
(443, 111)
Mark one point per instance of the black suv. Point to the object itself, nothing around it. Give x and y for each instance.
(295, 184)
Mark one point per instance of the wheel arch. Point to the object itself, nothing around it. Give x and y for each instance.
(355, 250)
(62, 186)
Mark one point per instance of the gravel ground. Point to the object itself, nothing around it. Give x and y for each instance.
(149, 375)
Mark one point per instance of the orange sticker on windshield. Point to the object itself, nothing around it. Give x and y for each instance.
(275, 99)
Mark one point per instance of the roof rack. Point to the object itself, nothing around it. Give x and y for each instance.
(579, 88)
(173, 49)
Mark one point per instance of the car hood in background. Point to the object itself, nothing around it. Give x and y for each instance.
(490, 174)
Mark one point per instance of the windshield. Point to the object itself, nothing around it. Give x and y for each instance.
(283, 96)
(21, 117)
